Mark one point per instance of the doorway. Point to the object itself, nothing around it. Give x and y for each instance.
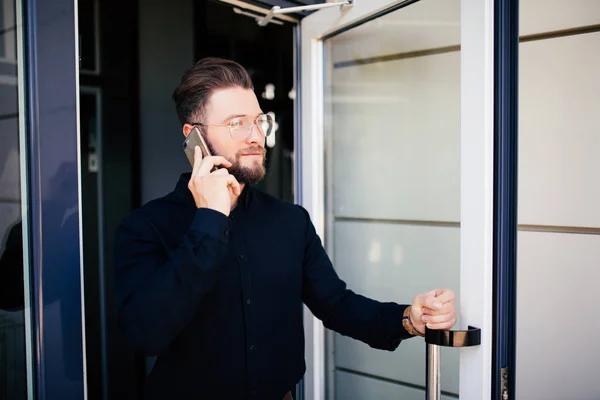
(132, 58)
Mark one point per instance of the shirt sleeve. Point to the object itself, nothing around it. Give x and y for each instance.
(159, 292)
(375, 323)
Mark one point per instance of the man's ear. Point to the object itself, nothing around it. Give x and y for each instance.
(187, 128)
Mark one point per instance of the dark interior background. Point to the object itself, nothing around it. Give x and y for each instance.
(125, 49)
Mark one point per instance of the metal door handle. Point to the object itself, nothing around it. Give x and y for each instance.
(437, 338)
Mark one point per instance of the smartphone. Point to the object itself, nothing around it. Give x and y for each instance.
(191, 141)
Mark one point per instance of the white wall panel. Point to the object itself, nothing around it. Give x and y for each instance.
(558, 353)
(537, 16)
(391, 262)
(396, 139)
(559, 131)
(356, 387)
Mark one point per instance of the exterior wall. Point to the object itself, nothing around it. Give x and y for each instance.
(559, 238)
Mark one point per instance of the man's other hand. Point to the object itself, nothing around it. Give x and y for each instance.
(434, 310)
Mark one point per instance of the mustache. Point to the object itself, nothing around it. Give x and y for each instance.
(255, 149)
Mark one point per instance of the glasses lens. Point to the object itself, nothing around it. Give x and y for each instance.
(240, 127)
(265, 124)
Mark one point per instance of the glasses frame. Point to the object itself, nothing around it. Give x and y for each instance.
(228, 125)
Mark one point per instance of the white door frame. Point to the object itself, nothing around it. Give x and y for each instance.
(477, 74)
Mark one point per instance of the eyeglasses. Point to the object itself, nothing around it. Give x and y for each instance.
(239, 127)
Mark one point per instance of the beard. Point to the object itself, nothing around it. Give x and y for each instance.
(243, 174)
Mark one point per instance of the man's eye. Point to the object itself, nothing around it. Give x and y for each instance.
(235, 123)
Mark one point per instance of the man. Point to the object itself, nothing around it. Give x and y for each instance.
(212, 277)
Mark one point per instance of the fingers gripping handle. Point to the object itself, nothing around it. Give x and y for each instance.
(437, 338)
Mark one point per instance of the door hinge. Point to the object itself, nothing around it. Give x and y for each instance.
(311, 7)
(504, 383)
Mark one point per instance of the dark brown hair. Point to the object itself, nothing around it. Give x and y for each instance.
(200, 82)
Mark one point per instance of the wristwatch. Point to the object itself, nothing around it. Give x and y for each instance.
(407, 323)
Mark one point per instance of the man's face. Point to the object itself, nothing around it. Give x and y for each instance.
(246, 151)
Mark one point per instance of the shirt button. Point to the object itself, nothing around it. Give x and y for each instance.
(251, 347)
(248, 301)
(241, 256)
(226, 232)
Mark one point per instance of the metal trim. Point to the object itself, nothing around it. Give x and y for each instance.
(328, 214)
(454, 338)
(29, 311)
(577, 230)
(433, 385)
(368, 18)
(297, 166)
(397, 56)
(414, 222)
(277, 10)
(448, 49)
(297, 115)
(30, 126)
(506, 100)
(251, 7)
(79, 192)
(581, 30)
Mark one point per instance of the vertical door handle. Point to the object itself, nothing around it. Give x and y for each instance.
(436, 338)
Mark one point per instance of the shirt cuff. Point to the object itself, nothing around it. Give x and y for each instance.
(209, 222)
(392, 323)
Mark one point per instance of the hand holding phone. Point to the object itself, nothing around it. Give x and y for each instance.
(191, 141)
(211, 187)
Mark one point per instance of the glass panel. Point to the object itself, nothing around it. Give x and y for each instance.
(54, 211)
(350, 386)
(558, 197)
(13, 384)
(392, 123)
(88, 35)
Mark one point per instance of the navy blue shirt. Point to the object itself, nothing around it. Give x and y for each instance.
(219, 299)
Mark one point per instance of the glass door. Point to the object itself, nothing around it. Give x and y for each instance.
(399, 182)
(47, 49)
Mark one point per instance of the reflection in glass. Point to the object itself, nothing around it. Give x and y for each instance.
(12, 328)
(392, 140)
(88, 35)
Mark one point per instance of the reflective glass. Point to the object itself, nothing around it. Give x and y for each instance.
(13, 384)
(392, 129)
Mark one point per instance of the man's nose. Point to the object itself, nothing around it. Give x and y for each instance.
(254, 135)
